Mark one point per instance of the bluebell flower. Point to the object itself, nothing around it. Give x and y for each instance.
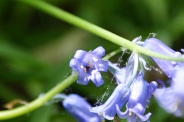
(119, 97)
(169, 98)
(120, 76)
(119, 73)
(172, 98)
(168, 67)
(140, 93)
(79, 108)
(123, 75)
(88, 65)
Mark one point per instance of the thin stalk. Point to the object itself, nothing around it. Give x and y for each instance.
(74, 20)
(7, 114)
(108, 56)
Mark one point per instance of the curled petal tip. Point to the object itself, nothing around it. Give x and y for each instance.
(99, 51)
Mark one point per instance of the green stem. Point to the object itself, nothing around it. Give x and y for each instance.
(74, 20)
(108, 56)
(7, 114)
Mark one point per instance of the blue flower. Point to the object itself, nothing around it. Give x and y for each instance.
(88, 65)
(125, 74)
(120, 76)
(119, 97)
(168, 67)
(79, 109)
(141, 91)
(172, 98)
(119, 73)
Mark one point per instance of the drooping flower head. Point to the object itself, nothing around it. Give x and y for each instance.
(119, 97)
(168, 67)
(79, 108)
(123, 75)
(88, 65)
(170, 98)
(135, 108)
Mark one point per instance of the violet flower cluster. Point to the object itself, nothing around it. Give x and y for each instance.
(132, 92)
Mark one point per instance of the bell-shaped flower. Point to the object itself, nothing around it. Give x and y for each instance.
(156, 45)
(119, 73)
(172, 98)
(140, 93)
(169, 98)
(119, 97)
(120, 76)
(123, 75)
(79, 109)
(88, 65)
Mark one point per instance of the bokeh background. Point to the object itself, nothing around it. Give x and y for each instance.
(35, 48)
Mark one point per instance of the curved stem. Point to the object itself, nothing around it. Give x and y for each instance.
(7, 114)
(74, 20)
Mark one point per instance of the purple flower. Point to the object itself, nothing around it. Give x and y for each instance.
(120, 76)
(118, 73)
(172, 98)
(156, 45)
(79, 109)
(88, 65)
(140, 92)
(169, 98)
(123, 75)
(119, 97)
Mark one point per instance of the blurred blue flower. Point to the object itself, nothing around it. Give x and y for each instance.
(141, 91)
(172, 98)
(119, 97)
(79, 109)
(88, 65)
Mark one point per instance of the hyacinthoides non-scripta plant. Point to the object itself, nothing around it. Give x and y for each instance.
(132, 92)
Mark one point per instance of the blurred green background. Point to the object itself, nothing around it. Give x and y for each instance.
(35, 48)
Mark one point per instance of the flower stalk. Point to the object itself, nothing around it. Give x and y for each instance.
(8, 114)
(76, 21)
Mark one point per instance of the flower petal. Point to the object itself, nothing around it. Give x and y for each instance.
(118, 97)
(79, 108)
(151, 88)
(97, 78)
(74, 64)
(138, 109)
(101, 65)
(83, 78)
(157, 46)
(122, 115)
(99, 52)
(80, 54)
